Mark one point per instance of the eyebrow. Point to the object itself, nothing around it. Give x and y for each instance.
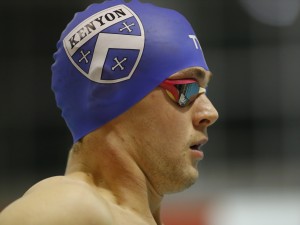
(198, 73)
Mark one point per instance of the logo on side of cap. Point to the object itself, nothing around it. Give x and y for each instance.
(107, 47)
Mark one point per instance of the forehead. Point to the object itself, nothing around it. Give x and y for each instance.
(197, 73)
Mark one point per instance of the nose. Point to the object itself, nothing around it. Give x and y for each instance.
(205, 113)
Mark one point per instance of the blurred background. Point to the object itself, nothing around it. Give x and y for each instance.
(251, 171)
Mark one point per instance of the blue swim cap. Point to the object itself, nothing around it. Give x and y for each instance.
(113, 54)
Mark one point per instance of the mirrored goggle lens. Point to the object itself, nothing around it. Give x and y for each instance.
(182, 91)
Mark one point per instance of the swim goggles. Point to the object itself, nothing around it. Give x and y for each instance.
(183, 91)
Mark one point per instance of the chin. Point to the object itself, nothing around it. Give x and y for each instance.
(193, 176)
(184, 181)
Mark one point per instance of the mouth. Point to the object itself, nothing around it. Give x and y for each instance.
(196, 148)
(199, 144)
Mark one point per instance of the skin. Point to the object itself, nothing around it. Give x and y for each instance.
(119, 173)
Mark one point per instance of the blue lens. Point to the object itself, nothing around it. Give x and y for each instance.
(187, 93)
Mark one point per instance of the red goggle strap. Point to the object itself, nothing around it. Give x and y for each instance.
(169, 86)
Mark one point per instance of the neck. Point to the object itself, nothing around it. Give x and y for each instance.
(113, 169)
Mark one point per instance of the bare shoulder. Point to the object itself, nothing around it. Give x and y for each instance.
(58, 200)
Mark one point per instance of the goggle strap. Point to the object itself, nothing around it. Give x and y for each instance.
(171, 90)
(202, 90)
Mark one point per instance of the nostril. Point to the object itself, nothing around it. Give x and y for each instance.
(204, 121)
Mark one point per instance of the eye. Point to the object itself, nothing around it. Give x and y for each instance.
(189, 92)
(182, 91)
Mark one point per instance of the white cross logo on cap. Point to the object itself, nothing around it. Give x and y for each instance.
(107, 47)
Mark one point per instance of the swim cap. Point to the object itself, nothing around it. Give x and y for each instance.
(113, 54)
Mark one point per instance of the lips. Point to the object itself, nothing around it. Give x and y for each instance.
(199, 144)
(196, 147)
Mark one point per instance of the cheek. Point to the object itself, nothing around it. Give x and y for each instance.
(156, 114)
(175, 125)
(168, 137)
(160, 123)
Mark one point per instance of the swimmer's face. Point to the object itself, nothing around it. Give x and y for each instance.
(167, 135)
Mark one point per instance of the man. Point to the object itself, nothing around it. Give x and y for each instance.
(130, 80)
